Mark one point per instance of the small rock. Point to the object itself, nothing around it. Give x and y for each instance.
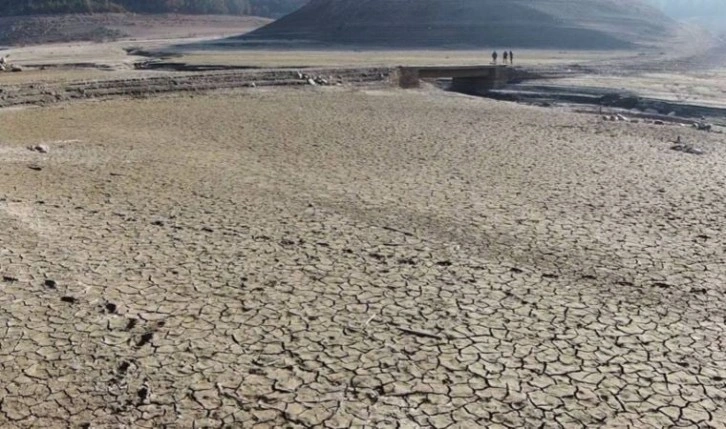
(35, 167)
(702, 126)
(15, 68)
(658, 122)
(69, 299)
(51, 284)
(687, 148)
(312, 82)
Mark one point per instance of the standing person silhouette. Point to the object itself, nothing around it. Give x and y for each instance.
(511, 57)
(506, 57)
(494, 57)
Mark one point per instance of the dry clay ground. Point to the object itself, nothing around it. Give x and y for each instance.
(345, 257)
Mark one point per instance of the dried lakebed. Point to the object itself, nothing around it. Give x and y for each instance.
(336, 257)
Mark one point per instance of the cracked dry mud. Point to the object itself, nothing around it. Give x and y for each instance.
(335, 258)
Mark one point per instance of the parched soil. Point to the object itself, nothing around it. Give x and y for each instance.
(335, 257)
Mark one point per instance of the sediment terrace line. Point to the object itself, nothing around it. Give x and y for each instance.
(44, 93)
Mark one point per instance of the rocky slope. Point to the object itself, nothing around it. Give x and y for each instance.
(581, 24)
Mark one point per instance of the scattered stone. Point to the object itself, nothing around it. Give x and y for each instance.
(40, 148)
(110, 307)
(51, 284)
(10, 279)
(686, 148)
(419, 333)
(658, 122)
(702, 126)
(69, 299)
(312, 82)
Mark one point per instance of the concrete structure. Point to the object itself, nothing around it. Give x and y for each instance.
(467, 79)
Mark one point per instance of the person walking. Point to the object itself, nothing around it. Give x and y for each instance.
(511, 57)
(506, 57)
(494, 57)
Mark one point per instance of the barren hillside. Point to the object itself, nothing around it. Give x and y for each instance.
(583, 24)
(38, 29)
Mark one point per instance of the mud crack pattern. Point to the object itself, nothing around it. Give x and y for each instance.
(357, 258)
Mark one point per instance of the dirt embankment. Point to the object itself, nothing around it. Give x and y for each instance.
(39, 94)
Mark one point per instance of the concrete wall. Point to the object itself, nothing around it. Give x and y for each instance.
(469, 80)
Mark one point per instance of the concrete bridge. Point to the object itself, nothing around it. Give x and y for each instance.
(467, 79)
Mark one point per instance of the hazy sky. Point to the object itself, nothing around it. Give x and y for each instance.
(710, 13)
(687, 8)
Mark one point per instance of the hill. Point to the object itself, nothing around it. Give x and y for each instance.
(572, 24)
(99, 27)
(268, 8)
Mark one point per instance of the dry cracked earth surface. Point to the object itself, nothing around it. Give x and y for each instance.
(357, 257)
